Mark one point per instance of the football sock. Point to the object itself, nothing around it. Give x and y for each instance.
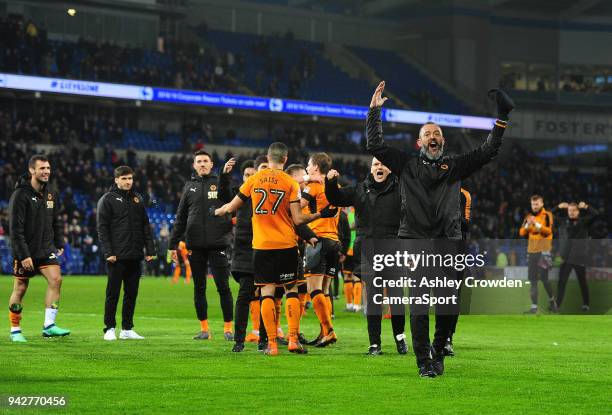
(254, 308)
(15, 317)
(302, 298)
(268, 314)
(187, 273)
(357, 292)
(204, 325)
(177, 273)
(348, 291)
(330, 307)
(293, 313)
(51, 314)
(227, 327)
(278, 306)
(320, 307)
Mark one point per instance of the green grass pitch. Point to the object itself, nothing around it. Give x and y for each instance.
(547, 364)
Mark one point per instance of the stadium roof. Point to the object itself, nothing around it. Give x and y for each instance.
(399, 9)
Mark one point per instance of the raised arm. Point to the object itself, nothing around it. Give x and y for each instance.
(224, 184)
(391, 157)
(336, 195)
(466, 164)
(589, 214)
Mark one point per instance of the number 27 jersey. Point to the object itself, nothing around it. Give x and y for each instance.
(271, 192)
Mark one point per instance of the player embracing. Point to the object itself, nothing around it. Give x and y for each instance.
(322, 266)
(275, 199)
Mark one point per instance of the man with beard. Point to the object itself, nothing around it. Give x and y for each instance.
(376, 201)
(538, 228)
(429, 184)
(207, 237)
(36, 242)
(574, 231)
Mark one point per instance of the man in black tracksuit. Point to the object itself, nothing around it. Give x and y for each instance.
(430, 205)
(207, 237)
(242, 261)
(124, 232)
(574, 235)
(36, 242)
(376, 201)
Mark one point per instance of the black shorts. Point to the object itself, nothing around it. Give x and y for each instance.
(39, 264)
(275, 266)
(328, 264)
(348, 265)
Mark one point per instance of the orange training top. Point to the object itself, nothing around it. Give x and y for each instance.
(323, 227)
(540, 234)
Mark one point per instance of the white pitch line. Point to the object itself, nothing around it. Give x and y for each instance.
(143, 318)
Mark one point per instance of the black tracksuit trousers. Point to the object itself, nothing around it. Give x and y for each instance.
(127, 272)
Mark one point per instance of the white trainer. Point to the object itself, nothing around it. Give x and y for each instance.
(110, 335)
(130, 335)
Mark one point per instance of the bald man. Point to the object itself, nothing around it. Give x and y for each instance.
(430, 184)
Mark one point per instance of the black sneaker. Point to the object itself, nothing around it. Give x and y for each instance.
(400, 343)
(302, 339)
(438, 365)
(374, 350)
(426, 371)
(552, 306)
(314, 341)
(532, 310)
(203, 335)
(282, 341)
(262, 346)
(585, 308)
(448, 348)
(238, 347)
(325, 341)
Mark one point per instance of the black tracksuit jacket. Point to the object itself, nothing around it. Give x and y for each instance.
(34, 226)
(195, 221)
(429, 190)
(376, 205)
(574, 235)
(123, 225)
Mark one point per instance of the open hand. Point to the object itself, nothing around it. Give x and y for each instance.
(377, 98)
(227, 168)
